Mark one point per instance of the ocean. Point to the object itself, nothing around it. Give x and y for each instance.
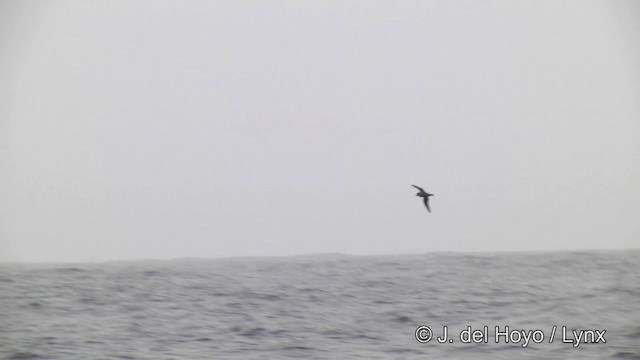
(548, 305)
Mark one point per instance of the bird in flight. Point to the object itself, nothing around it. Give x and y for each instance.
(425, 195)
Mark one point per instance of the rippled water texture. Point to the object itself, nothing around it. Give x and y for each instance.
(325, 307)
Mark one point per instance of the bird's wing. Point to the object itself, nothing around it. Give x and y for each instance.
(426, 203)
(417, 187)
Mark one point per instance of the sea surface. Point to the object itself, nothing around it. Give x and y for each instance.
(326, 307)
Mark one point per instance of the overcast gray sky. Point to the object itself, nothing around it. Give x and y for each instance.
(157, 129)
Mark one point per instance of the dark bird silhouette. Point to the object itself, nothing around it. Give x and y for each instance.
(425, 195)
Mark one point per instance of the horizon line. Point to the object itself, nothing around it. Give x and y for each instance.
(317, 255)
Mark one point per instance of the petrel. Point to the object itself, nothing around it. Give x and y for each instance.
(425, 195)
